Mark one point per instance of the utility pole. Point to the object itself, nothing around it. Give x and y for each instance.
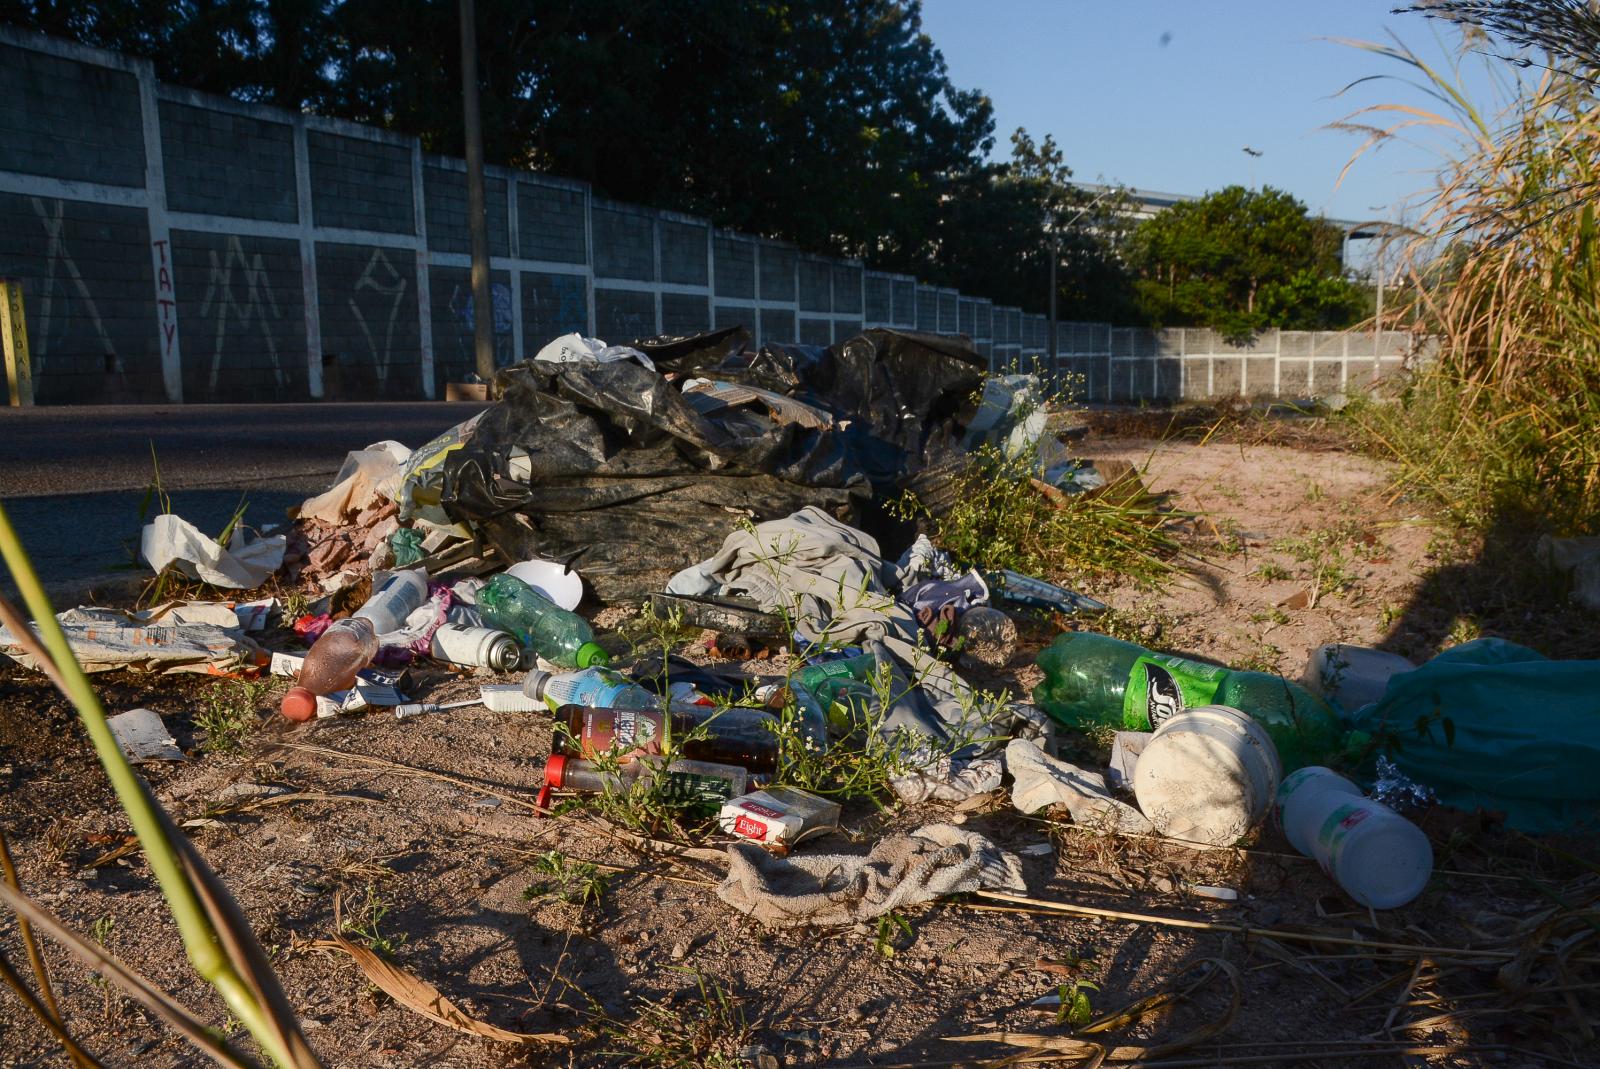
(1055, 255)
(477, 221)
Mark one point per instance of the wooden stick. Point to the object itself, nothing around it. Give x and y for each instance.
(1046, 906)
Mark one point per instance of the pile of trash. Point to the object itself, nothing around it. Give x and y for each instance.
(737, 490)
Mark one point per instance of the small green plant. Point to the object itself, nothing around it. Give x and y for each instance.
(1314, 492)
(100, 931)
(1271, 571)
(578, 883)
(998, 517)
(891, 927)
(1274, 616)
(361, 923)
(295, 605)
(1263, 658)
(1464, 630)
(1075, 1009)
(708, 1033)
(228, 713)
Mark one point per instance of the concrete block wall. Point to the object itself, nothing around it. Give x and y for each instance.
(1125, 364)
(174, 246)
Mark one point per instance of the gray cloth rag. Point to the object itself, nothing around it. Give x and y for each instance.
(1041, 781)
(828, 576)
(830, 890)
(832, 581)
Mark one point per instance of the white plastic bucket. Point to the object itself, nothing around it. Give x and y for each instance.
(1380, 858)
(1208, 775)
(550, 578)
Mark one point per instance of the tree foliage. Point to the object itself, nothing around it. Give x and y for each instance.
(1240, 261)
(829, 123)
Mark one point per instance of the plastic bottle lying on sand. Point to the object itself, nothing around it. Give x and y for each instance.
(704, 781)
(597, 687)
(1380, 858)
(348, 646)
(731, 736)
(1092, 679)
(563, 638)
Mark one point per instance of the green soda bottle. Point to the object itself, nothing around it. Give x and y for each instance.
(1092, 679)
(563, 638)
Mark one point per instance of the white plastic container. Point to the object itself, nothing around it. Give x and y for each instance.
(1208, 775)
(400, 595)
(1377, 856)
(550, 578)
(1352, 676)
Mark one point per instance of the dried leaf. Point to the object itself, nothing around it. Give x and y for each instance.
(422, 997)
(1299, 600)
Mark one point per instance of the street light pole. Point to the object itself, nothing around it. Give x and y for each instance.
(477, 221)
(1055, 255)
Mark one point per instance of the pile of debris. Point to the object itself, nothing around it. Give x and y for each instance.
(747, 492)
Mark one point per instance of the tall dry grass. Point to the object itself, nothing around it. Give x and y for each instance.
(1502, 266)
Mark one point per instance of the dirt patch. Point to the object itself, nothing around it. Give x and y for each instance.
(452, 876)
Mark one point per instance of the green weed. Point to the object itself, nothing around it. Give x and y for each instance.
(708, 1033)
(361, 922)
(999, 519)
(1501, 268)
(229, 712)
(578, 883)
(891, 926)
(1271, 571)
(1075, 1010)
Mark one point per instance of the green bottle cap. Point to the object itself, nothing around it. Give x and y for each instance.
(590, 654)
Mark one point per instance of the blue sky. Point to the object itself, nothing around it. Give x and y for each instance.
(1165, 94)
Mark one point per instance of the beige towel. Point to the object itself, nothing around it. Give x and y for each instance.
(829, 890)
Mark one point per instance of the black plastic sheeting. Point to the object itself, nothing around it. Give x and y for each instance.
(608, 466)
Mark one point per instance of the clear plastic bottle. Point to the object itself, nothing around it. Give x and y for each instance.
(597, 687)
(1092, 679)
(400, 595)
(563, 638)
(344, 649)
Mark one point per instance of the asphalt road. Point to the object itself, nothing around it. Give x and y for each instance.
(73, 479)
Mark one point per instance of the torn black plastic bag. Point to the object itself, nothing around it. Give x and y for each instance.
(607, 465)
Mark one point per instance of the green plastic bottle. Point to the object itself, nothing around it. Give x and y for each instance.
(1092, 679)
(563, 638)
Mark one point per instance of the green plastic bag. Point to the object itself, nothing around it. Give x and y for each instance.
(405, 545)
(1494, 725)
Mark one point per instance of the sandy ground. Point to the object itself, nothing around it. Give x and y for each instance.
(1297, 547)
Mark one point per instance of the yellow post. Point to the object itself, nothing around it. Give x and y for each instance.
(14, 342)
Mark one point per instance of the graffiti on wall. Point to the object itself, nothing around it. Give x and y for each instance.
(62, 280)
(463, 307)
(166, 300)
(380, 278)
(246, 297)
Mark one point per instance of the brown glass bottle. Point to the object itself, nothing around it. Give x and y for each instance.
(734, 736)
